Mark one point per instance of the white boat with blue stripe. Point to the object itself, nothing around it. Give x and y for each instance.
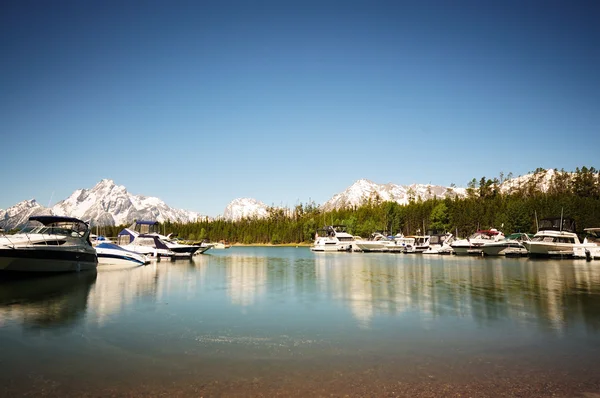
(109, 253)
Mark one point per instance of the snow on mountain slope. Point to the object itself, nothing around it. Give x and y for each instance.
(245, 208)
(20, 213)
(104, 204)
(363, 190)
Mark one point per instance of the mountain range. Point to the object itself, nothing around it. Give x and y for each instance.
(110, 204)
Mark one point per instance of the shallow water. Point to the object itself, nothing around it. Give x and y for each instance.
(275, 321)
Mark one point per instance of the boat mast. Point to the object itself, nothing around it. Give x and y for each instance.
(561, 217)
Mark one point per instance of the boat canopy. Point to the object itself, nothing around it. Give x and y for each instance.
(46, 220)
(146, 222)
(554, 224)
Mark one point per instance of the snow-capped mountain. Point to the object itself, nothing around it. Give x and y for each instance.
(363, 190)
(540, 180)
(245, 208)
(20, 213)
(104, 204)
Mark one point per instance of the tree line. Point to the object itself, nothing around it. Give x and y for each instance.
(511, 209)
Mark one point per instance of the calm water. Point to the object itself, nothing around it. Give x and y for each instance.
(286, 322)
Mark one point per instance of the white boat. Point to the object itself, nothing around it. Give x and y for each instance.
(48, 244)
(440, 244)
(472, 245)
(590, 248)
(511, 245)
(143, 237)
(419, 244)
(221, 245)
(333, 238)
(109, 253)
(378, 243)
(555, 237)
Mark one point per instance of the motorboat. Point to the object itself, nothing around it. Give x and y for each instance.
(110, 253)
(511, 245)
(332, 238)
(440, 244)
(555, 237)
(153, 246)
(473, 244)
(590, 248)
(48, 244)
(378, 243)
(221, 245)
(420, 243)
(144, 237)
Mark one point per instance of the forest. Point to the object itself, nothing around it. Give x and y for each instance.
(513, 209)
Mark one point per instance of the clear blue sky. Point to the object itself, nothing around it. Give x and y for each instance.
(199, 103)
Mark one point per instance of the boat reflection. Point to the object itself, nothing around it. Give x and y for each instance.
(550, 294)
(246, 278)
(46, 302)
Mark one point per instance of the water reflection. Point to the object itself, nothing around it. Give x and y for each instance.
(246, 279)
(46, 302)
(116, 288)
(550, 294)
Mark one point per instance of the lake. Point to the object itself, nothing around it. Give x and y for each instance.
(283, 321)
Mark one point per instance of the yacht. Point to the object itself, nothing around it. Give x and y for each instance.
(48, 244)
(153, 246)
(109, 253)
(555, 237)
(590, 248)
(472, 245)
(378, 243)
(419, 244)
(332, 238)
(144, 237)
(511, 245)
(440, 244)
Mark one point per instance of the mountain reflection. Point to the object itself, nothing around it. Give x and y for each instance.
(551, 294)
(246, 278)
(45, 302)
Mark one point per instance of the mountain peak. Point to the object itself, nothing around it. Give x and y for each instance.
(245, 208)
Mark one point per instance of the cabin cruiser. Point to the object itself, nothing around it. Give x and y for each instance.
(378, 243)
(153, 246)
(440, 244)
(419, 244)
(472, 245)
(555, 237)
(109, 253)
(511, 245)
(48, 244)
(144, 237)
(590, 248)
(332, 238)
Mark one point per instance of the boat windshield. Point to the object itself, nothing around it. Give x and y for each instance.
(66, 228)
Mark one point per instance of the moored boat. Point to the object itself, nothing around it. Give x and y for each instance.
(440, 244)
(590, 247)
(555, 237)
(48, 244)
(109, 253)
(378, 243)
(473, 244)
(332, 238)
(511, 245)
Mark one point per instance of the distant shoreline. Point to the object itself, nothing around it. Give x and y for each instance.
(272, 244)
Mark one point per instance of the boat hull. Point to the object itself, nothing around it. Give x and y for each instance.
(47, 260)
(116, 258)
(549, 249)
(472, 250)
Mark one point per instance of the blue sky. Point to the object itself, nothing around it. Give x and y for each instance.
(199, 103)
